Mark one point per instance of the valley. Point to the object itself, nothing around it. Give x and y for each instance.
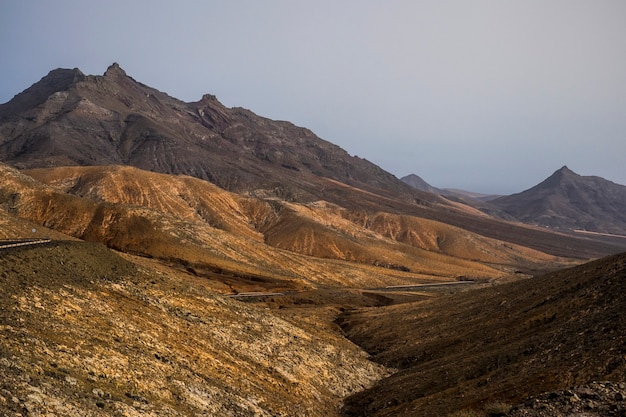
(194, 259)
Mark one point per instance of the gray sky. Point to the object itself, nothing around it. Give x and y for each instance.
(487, 96)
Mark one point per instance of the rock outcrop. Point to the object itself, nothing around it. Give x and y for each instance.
(598, 399)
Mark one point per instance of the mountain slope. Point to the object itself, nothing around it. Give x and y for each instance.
(185, 216)
(86, 332)
(241, 261)
(498, 344)
(69, 118)
(568, 201)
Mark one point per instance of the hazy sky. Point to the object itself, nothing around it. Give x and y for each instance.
(488, 96)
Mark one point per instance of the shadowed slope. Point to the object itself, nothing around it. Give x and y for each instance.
(503, 343)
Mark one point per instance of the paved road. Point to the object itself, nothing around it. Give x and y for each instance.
(13, 243)
(418, 286)
(388, 288)
(256, 294)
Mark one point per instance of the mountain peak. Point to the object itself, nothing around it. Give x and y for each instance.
(114, 70)
(563, 173)
(417, 182)
(565, 170)
(64, 73)
(131, 123)
(569, 201)
(60, 79)
(209, 98)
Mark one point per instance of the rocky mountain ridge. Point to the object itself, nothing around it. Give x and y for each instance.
(564, 201)
(568, 201)
(68, 118)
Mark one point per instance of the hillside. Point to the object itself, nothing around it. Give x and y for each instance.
(499, 344)
(86, 329)
(255, 243)
(87, 332)
(568, 201)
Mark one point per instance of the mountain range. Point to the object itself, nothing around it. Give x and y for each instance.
(69, 118)
(565, 201)
(72, 119)
(202, 259)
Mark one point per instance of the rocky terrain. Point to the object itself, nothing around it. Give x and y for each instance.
(69, 118)
(251, 244)
(207, 261)
(568, 201)
(72, 119)
(500, 344)
(594, 400)
(87, 332)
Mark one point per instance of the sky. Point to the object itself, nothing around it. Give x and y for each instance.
(489, 96)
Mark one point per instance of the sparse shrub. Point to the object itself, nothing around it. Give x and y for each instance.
(466, 413)
(496, 409)
(493, 409)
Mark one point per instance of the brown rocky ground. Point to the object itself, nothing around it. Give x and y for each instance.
(502, 343)
(598, 399)
(86, 332)
(150, 331)
(277, 244)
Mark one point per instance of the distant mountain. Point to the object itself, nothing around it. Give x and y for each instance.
(469, 194)
(417, 182)
(569, 201)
